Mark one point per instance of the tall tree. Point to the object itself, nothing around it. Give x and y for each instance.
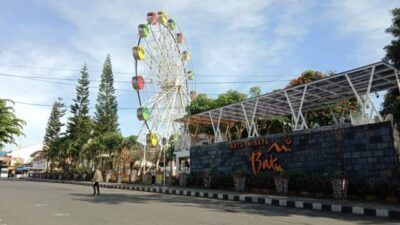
(393, 50)
(306, 77)
(106, 115)
(255, 91)
(79, 124)
(10, 125)
(230, 97)
(53, 129)
(391, 104)
(200, 104)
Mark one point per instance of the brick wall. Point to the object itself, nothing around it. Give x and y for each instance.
(368, 151)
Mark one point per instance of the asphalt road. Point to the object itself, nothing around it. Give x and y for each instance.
(30, 203)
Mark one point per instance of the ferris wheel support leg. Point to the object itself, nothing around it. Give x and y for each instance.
(167, 128)
(165, 166)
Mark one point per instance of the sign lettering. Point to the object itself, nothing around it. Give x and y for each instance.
(267, 161)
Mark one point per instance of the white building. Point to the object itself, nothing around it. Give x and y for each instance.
(39, 164)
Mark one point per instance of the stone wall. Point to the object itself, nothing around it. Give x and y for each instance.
(368, 151)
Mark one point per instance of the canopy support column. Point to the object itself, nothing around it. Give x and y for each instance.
(371, 78)
(296, 117)
(186, 139)
(333, 116)
(366, 117)
(359, 100)
(216, 129)
(251, 125)
(300, 113)
(396, 72)
(373, 109)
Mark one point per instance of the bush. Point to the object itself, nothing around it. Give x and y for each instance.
(262, 181)
(224, 181)
(240, 173)
(195, 180)
(299, 182)
(320, 184)
(380, 189)
(113, 178)
(394, 189)
(139, 180)
(89, 176)
(125, 181)
(174, 181)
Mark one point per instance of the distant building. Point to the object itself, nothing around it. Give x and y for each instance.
(5, 159)
(39, 164)
(25, 155)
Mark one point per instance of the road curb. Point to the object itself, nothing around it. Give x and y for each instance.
(214, 194)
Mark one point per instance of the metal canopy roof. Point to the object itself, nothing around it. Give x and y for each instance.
(323, 93)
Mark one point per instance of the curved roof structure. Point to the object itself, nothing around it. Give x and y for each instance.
(358, 82)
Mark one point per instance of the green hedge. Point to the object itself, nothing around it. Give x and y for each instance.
(299, 183)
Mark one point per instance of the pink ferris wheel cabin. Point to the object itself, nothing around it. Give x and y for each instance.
(152, 18)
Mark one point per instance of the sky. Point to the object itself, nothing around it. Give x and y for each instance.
(230, 41)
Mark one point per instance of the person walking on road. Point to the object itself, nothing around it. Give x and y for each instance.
(97, 178)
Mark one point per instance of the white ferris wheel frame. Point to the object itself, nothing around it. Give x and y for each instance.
(164, 69)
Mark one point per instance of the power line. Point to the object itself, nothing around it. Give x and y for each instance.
(46, 105)
(40, 79)
(33, 104)
(127, 82)
(131, 73)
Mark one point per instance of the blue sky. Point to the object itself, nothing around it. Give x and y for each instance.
(252, 40)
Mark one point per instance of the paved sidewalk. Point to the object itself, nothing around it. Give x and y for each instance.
(329, 205)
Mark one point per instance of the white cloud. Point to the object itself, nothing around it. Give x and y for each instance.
(366, 21)
(225, 37)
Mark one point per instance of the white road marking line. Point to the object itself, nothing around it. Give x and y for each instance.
(45, 204)
(61, 214)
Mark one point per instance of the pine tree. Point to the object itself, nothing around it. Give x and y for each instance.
(79, 124)
(53, 130)
(106, 115)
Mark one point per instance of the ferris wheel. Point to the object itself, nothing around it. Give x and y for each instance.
(162, 78)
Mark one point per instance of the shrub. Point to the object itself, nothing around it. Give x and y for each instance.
(262, 181)
(239, 173)
(195, 180)
(297, 182)
(174, 181)
(224, 181)
(139, 180)
(394, 189)
(125, 180)
(113, 178)
(380, 189)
